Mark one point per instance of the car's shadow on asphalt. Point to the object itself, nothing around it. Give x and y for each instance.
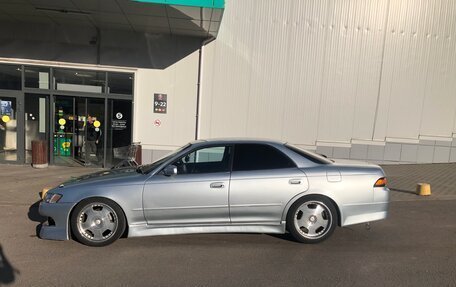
(286, 236)
(403, 190)
(35, 216)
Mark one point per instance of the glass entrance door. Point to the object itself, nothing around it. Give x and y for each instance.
(89, 132)
(64, 129)
(79, 131)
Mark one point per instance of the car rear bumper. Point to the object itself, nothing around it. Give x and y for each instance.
(361, 213)
(56, 227)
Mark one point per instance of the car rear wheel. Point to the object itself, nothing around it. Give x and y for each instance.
(312, 219)
(97, 222)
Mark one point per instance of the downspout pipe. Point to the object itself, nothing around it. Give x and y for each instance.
(198, 84)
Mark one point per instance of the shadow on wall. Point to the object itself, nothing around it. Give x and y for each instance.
(7, 271)
(88, 45)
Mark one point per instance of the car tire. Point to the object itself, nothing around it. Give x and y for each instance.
(97, 222)
(312, 219)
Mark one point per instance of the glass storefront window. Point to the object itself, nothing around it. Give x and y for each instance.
(37, 77)
(10, 77)
(119, 129)
(120, 83)
(79, 80)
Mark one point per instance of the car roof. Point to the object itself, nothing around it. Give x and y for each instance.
(237, 140)
(300, 160)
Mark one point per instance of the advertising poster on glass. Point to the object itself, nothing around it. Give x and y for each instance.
(6, 108)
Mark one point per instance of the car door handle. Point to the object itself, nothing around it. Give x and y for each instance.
(294, 181)
(217, 185)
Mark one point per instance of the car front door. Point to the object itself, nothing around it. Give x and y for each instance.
(263, 181)
(197, 194)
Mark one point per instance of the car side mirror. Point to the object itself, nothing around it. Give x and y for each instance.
(170, 170)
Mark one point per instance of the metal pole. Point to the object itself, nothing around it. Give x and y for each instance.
(198, 84)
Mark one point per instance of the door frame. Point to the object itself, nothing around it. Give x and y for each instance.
(47, 120)
(203, 179)
(52, 91)
(52, 125)
(20, 117)
(19, 95)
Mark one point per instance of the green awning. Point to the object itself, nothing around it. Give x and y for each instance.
(216, 4)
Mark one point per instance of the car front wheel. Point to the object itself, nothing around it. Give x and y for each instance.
(312, 219)
(97, 222)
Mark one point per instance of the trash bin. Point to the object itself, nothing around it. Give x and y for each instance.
(39, 154)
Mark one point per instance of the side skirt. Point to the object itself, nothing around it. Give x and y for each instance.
(148, 230)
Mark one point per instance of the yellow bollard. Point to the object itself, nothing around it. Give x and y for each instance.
(423, 189)
(43, 192)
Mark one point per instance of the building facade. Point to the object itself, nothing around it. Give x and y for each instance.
(370, 80)
(366, 80)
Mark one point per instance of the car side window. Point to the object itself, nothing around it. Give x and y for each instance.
(259, 157)
(205, 160)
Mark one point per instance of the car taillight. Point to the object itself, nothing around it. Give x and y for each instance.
(381, 182)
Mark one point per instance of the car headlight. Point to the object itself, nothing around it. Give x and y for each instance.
(52, 197)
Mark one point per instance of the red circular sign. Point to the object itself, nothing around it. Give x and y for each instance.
(157, 123)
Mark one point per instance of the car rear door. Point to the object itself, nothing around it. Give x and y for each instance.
(263, 180)
(197, 194)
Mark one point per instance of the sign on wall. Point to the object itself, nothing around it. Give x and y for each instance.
(119, 123)
(160, 103)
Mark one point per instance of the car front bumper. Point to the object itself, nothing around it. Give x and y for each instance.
(56, 228)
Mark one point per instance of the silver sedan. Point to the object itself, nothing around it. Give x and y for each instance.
(213, 186)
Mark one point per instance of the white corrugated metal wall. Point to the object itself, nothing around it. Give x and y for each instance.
(418, 87)
(333, 72)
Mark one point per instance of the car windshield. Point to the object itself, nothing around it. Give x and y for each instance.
(150, 167)
(316, 158)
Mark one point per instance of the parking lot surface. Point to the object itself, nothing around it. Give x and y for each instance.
(415, 246)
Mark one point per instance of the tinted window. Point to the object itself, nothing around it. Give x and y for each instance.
(150, 167)
(120, 83)
(79, 80)
(37, 77)
(10, 77)
(258, 156)
(205, 160)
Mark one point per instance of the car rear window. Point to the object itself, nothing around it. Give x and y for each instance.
(313, 157)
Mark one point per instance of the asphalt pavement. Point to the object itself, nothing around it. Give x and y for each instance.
(415, 246)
